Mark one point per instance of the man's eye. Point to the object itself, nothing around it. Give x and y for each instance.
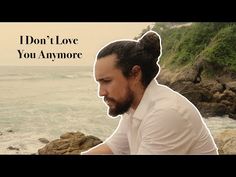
(107, 81)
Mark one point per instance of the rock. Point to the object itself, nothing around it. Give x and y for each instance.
(43, 140)
(212, 85)
(226, 102)
(233, 108)
(208, 109)
(10, 131)
(71, 134)
(165, 77)
(226, 142)
(213, 96)
(228, 95)
(70, 143)
(231, 86)
(217, 97)
(232, 116)
(230, 146)
(13, 148)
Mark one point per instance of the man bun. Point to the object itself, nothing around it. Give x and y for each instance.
(150, 42)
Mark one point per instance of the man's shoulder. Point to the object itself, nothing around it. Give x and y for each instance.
(162, 97)
(157, 90)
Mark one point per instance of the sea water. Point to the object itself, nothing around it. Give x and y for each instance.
(46, 102)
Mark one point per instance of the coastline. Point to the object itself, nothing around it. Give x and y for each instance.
(223, 130)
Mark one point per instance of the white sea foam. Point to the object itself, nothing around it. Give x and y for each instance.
(219, 124)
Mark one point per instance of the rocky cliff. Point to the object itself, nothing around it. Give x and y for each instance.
(199, 61)
(213, 97)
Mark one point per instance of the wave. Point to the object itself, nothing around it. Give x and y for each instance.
(43, 76)
(20, 78)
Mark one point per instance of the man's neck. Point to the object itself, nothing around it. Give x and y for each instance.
(138, 95)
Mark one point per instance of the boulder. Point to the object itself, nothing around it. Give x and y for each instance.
(226, 142)
(13, 148)
(231, 86)
(212, 96)
(208, 109)
(43, 140)
(70, 143)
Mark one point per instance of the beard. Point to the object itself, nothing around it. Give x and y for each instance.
(120, 107)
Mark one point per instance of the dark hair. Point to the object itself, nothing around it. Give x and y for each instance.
(143, 52)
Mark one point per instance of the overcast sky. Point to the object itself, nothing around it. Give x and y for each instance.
(91, 37)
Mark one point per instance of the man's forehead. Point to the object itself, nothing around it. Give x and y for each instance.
(105, 66)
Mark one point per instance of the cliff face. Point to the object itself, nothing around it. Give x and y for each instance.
(213, 97)
(199, 61)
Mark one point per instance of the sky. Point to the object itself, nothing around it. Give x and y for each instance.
(89, 38)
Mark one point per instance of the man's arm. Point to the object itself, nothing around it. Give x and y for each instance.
(117, 143)
(101, 149)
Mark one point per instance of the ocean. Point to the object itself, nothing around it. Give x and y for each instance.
(48, 101)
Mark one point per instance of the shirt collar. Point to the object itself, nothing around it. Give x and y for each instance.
(145, 102)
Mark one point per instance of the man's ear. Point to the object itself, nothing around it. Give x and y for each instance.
(136, 71)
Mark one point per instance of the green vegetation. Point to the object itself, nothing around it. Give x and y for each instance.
(222, 49)
(212, 42)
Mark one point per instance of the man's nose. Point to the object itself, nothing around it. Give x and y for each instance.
(102, 92)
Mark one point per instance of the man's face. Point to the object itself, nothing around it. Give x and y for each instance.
(113, 86)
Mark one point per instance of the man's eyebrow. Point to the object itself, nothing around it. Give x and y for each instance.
(99, 80)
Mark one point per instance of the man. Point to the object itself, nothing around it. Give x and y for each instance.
(155, 119)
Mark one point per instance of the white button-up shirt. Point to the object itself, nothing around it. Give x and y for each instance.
(164, 122)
